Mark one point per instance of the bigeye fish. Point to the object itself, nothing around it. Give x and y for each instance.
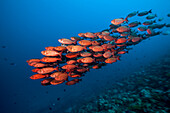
(119, 21)
(149, 22)
(159, 26)
(144, 13)
(92, 50)
(142, 28)
(134, 24)
(132, 14)
(151, 16)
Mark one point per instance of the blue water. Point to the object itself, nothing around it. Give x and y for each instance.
(28, 26)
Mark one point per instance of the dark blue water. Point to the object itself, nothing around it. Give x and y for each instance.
(27, 27)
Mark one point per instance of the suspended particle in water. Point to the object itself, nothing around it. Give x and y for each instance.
(58, 98)
(12, 64)
(3, 46)
(5, 59)
(50, 108)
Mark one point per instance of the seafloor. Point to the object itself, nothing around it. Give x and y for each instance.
(146, 91)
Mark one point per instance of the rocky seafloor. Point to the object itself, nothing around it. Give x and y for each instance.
(146, 91)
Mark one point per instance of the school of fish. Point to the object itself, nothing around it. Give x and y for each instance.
(70, 61)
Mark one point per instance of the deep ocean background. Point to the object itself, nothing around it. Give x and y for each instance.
(28, 26)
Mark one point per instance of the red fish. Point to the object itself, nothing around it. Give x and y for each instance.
(61, 77)
(142, 28)
(60, 48)
(53, 75)
(109, 38)
(122, 52)
(72, 82)
(39, 65)
(87, 60)
(90, 35)
(97, 54)
(50, 59)
(97, 66)
(71, 62)
(35, 70)
(47, 81)
(69, 66)
(107, 54)
(49, 48)
(123, 29)
(75, 38)
(85, 42)
(82, 70)
(66, 41)
(119, 21)
(72, 55)
(33, 60)
(124, 34)
(96, 43)
(97, 48)
(38, 76)
(46, 70)
(51, 53)
(76, 48)
(32, 63)
(86, 54)
(101, 36)
(81, 35)
(121, 40)
(107, 46)
(136, 39)
(55, 82)
(85, 65)
(134, 24)
(110, 60)
(150, 31)
(105, 33)
(74, 75)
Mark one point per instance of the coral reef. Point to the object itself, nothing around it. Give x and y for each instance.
(146, 91)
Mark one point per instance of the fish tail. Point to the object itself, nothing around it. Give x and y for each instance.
(60, 59)
(57, 68)
(127, 51)
(154, 21)
(75, 42)
(112, 50)
(69, 74)
(80, 79)
(126, 19)
(60, 54)
(118, 57)
(150, 11)
(128, 40)
(85, 47)
(113, 53)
